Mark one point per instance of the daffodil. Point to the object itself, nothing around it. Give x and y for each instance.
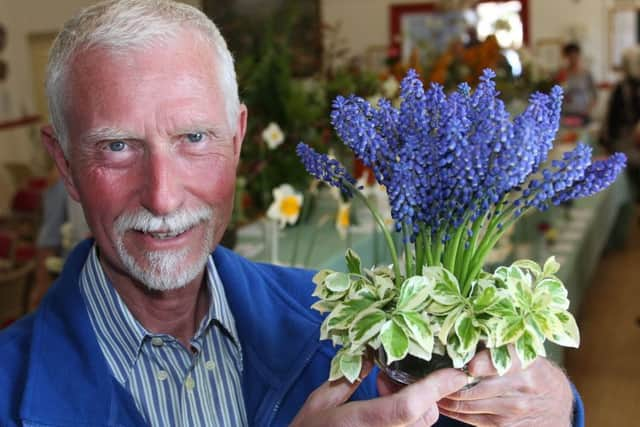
(343, 220)
(286, 206)
(273, 136)
(390, 87)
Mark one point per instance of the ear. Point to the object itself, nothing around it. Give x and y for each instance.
(52, 145)
(241, 129)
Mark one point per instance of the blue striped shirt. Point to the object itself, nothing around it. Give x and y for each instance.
(170, 385)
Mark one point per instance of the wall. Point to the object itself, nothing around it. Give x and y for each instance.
(23, 18)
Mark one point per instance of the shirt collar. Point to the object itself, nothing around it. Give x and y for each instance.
(119, 333)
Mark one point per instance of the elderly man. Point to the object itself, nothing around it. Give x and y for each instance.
(146, 326)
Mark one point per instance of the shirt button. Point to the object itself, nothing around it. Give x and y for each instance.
(157, 342)
(162, 375)
(189, 383)
(210, 365)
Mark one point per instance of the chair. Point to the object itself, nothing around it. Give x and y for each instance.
(14, 288)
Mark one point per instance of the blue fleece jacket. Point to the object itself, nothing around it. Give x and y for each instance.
(52, 372)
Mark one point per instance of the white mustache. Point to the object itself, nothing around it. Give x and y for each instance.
(175, 223)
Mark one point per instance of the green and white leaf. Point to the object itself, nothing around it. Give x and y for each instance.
(501, 359)
(418, 329)
(448, 324)
(530, 265)
(394, 341)
(503, 308)
(414, 293)
(446, 290)
(418, 351)
(458, 356)
(384, 286)
(354, 265)
(342, 316)
(324, 306)
(337, 282)
(551, 267)
(467, 332)
(438, 309)
(350, 366)
(528, 347)
(510, 330)
(487, 298)
(554, 287)
(366, 325)
(319, 277)
(569, 335)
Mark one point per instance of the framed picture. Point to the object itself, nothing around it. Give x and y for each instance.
(549, 52)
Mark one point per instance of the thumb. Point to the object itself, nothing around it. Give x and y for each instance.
(335, 393)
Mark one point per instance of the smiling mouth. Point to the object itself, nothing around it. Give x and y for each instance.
(164, 235)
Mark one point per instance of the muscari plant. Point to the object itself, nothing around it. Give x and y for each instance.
(458, 171)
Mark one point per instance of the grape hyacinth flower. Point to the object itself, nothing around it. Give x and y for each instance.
(457, 168)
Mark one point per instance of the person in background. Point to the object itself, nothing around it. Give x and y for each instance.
(578, 84)
(154, 323)
(621, 129)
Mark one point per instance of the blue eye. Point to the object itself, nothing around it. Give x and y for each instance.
(117, 145)
(195, 136)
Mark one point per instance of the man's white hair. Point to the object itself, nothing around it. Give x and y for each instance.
(130, 25)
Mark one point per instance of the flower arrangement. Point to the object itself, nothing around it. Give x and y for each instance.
(458, 171)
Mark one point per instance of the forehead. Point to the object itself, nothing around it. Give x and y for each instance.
(177, 75)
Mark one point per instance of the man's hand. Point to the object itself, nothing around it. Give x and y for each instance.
(537, 396)
(414, 405)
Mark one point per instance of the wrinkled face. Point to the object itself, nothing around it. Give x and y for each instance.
(152, 158)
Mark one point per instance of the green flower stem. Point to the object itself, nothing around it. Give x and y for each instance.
(438, 247)
(420, 250)
(387, 236)
(468, 252)
(451, 249)
(427, 247)
(408, 255)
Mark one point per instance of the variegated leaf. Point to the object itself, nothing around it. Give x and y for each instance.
(509, 330)
(458, 356)
(384, 286)
(414, 293)
(446, 290)
(319, 277)
(354, 265)
(337, 282)
(342, 316)
(335, 373)
(569, 335)
(439, 309)
(501, 359)
(551, 266)
(324, 306)
(419, 329)
(487, 298)
(503, 308)
(394, 341)
(466, 331)
(554, 287)
(350, 366)
(416, 350)
(530, 265)
(528, 347)
(366, 325)
(448, 324)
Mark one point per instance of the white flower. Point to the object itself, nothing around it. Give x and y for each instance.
(286, 205)
(343, 220)
(390, 87)
(273, 136)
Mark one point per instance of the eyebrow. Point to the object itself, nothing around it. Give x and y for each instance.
(100, 134)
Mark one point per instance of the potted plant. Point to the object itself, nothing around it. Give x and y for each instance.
(458, 172)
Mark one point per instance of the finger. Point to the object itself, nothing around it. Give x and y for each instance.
(496, 406)
(474, 420)
(386, 385)
(429, 418)
(412, 402)
(482, 366)
(486, 388)
(334, 393)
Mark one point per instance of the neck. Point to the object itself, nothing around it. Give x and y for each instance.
(176, 312)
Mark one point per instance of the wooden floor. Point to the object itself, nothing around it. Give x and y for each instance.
(606, 367)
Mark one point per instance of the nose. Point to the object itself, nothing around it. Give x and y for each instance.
(163, 192)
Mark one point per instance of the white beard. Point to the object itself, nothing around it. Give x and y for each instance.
(170, 269)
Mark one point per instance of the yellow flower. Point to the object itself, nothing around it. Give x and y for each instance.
(286, 205)
(343, 220)
(273, 136)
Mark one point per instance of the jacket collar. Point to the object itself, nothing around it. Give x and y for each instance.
(64, 344)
